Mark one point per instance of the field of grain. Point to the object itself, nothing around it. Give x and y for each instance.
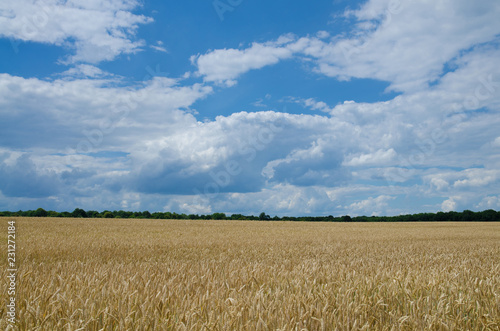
(113, 274)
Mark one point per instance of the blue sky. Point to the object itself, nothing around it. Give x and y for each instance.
(378, 107)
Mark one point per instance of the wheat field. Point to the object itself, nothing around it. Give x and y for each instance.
(123, 274)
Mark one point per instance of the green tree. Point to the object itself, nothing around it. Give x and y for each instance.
(107, 214)
(93, 213)
(79, 213)
(468, 216)
(264, 217)
(346, 218)
(490, 216)
(40, 212)
(218, 216)
(52, 213)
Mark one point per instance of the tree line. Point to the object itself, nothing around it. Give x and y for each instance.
(489, 215)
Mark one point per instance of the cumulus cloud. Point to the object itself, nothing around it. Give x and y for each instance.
(97, 31)
(23, 179)
(489, 202)
(223, 66)
(392, 42)
(80, 108)
(379, 157)
(289, 163)
(449, 205)
(439, 183)
(312, 104)
(477, 177)
(496, 142)
(88, 140)
(372, 205)
(84, 71)
(230, 154)
(277, 199)
(81, 124)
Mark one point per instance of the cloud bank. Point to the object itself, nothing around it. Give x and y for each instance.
(87, 139)
(95, 30)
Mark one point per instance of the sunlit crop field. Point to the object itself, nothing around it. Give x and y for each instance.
(111, 274)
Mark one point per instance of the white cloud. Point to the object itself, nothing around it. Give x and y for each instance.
(301, 162)
(98, 31)
(477, 178)
(449, 205)
(496, 142)
(350, 159)
(85, 70)
(322, 34)
(311, 103)
(405, 43)
(439, 183)
(463, 181)
(92, 115)
(159, 47)
(315, 151)
(489, 202)
(378, 157)
(279, 199)
(374, 205)
(225, 65)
